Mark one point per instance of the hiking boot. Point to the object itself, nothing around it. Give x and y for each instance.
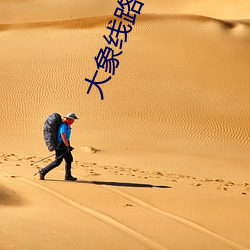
(41, 175)
(70, 178)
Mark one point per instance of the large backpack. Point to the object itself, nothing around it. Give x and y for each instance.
(50, 130)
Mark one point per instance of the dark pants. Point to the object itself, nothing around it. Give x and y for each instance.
(67, 156)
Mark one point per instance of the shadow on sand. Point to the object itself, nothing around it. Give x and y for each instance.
(122, 184)
(116, 184)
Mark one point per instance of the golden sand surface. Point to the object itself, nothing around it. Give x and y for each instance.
(162, 161)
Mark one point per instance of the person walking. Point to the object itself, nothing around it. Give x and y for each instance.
(63, 149)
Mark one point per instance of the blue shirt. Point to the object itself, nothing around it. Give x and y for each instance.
(64, 128)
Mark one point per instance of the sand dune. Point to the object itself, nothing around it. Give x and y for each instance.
(37, 11)
(162, 161)
(198, 110)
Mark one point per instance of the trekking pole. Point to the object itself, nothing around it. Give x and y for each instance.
(41, 160)
(48, 157)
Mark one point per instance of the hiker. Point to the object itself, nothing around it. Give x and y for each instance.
(63, 149)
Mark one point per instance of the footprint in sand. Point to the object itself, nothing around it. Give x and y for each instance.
(128, 205)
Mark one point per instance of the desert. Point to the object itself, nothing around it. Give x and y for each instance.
(162, 161)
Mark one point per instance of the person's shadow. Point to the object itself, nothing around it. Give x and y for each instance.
(121, 184)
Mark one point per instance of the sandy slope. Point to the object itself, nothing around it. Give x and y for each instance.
(52, 10)
(173, 131)
(186, 107)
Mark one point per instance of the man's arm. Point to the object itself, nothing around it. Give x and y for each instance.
(66, 142)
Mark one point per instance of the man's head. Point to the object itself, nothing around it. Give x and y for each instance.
(70, 118)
